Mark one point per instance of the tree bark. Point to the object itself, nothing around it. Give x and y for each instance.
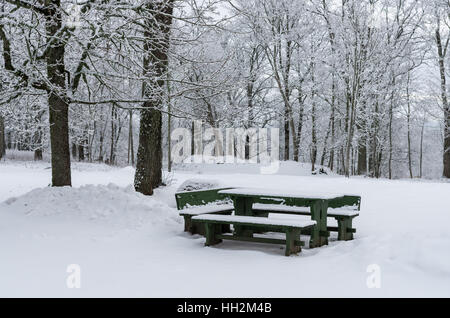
(2, 138)
(313, 122)
(301, 100)
(408, 119)
(57, 101)
(157, 34)
(130, 139)
(422, 130)
(81, 156)
(446, 107)
(37, 145)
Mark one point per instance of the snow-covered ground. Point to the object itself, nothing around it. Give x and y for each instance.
(130, 245)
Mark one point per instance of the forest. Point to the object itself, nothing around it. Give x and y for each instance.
(357, 86)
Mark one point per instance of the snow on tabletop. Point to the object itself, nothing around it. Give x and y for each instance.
(204, 209)
(254, 220)
(283, 193)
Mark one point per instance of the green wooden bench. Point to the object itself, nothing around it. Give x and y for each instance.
(193, 203)
(292, 229)
(344, 210)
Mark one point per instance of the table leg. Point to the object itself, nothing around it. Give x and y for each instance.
(319, 234)
(323, 223)
(243, 206)
(314, 240)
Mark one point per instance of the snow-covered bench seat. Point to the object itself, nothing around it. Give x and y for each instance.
(343, 210)
(192, 203)
(292, 229)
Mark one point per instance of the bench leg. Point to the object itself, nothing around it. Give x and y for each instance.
(291, 247)
(191, 227)
(187, 223)
(211, 232)
(345, 229)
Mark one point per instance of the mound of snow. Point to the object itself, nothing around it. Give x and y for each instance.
(108, 205)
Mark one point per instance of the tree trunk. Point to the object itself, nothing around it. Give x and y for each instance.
(169, 126)
(325, 143)
(301, 100)
(81, 156)
(362, 142)
(391, 117)
(421, 149)
(362, 157)
(157, 34)
(112, 155)
(57, 102)
(74, 150)
(130, 140)
(408, 119)
(2, 138)
(102, 141)
(445, 104)
(37, 145)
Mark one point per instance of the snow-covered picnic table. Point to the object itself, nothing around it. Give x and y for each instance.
(244, 198)
(210, 213)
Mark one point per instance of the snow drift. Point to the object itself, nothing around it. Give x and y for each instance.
(102, 204)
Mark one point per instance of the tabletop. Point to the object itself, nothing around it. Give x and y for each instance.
(279, 193)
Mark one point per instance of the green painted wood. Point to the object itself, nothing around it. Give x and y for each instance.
(344, 228)
(348, 200)
(211, 231)
(197, 228)
(224, 212)
(336, 229)
(196, 198)
(187, 223)
(320, 212)
(266, 212)
(266, 227)
(293, 242)
(243, 206)
(292, 235)
(256, 239)
(315, 215)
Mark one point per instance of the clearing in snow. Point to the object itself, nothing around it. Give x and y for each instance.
(126, 244)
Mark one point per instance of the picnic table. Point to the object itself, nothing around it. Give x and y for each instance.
(212, 212)
(244, 198)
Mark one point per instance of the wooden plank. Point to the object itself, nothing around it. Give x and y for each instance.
(264, 211)
(263, 225)
(256, 239)
(222, 212)
(202, 197)
(336, 229)
(347, 200)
